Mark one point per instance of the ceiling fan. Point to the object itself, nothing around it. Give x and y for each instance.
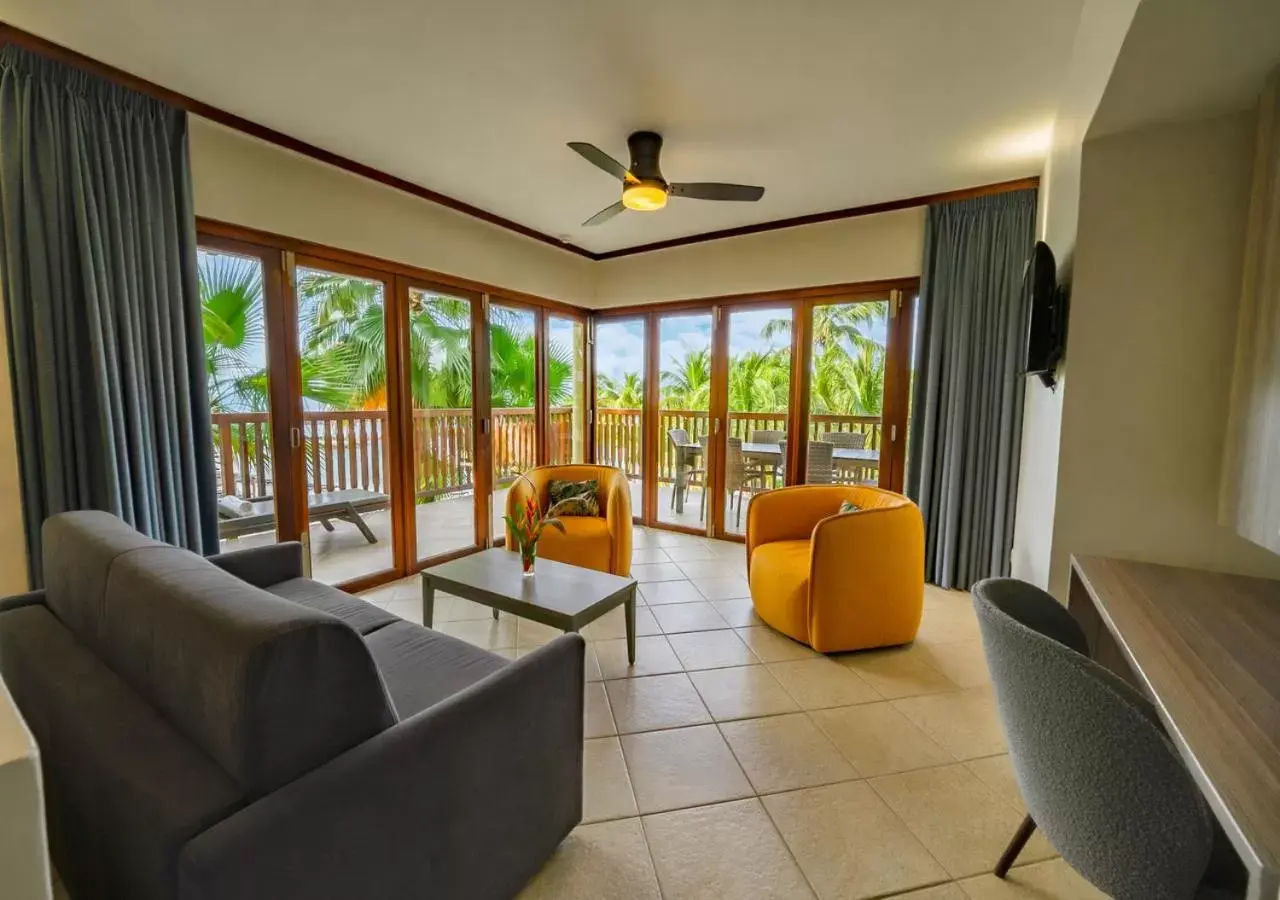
(643, 187)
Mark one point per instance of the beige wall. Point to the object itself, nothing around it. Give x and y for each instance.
(13, 555)
(248, 182)
(868, 248)
(1099, 38)
(1154, 302)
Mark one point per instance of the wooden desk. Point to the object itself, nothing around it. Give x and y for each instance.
(1205, 647)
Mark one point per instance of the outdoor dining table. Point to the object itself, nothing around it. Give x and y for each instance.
(687, 453)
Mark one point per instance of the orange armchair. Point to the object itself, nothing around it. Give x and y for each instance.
(837, 582)
(602, 543)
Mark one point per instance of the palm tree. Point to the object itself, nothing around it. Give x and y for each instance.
(625, 394)
(231, 310)
(759, 381)
(836, 325)
(687, 385)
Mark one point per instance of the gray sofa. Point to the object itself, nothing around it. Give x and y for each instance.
(224, 728)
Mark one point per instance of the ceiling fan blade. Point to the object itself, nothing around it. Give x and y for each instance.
(713, 190)
(598, 158)
(605, 214)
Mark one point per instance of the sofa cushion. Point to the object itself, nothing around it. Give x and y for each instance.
(361, 615)
(780, 586)
(585, 542)
(124, 790)
(267, 687)
(421, 667)
(78, 549)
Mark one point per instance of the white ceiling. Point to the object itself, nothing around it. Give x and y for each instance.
(827, 103)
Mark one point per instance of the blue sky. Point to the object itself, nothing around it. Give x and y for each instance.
(620, 344)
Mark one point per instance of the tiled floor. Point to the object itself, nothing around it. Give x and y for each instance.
(733, 762)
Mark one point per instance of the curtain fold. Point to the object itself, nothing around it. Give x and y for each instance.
(966, 419)
(98, 271)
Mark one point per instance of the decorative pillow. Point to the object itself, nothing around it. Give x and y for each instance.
(579, 498)
(849, 506)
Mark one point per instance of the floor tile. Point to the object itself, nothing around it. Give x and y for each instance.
(410, 609)
(680, 617)
(642, 555)
(489, 633)
(849, 844)
(660, 538)
(606, 787)
(659, 701)
(646, 572)
(681, 768)
(771, 646)
(819, 683)
(899, 672)
(965, 723)
(728, 588)
(609, 859)
(739, 612)
(459, 610)
(879, 740)
(952, 622)
(712, 568)
(689, 552)
(742, 692)
(962, 822)
(534, 634)
(964, 662)
(597, 717)
(726, 851)
(591, 664)
(950, 891)
(782, 753)
(1052, 880)
(654, 656)
(996, 772)
(613, 624)
(711, 649)
(660, 593)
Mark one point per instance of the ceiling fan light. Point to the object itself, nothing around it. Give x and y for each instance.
(644, 197)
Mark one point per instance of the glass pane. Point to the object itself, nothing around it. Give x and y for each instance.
(235, 350)
(846, 392)
(443, 426)
(684, 349)
(759, 394)
(620, 375)
(513, 367)
(567, 390)
(343, 352)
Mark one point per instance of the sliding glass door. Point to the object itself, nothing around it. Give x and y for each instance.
(566, 390)
(513, 388)
(620, 367)
(684, 418)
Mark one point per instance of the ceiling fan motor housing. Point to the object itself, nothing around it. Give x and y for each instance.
(645, 147)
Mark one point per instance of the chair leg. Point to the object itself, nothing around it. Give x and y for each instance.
(1010, 855)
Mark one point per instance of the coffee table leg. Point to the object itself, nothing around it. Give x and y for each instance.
(495, 612)
(631, 626)
(428, 602)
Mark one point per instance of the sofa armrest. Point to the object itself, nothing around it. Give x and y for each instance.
(466, 799)
(618, 519)
(263, 566)
(17, 601)
(789, 514)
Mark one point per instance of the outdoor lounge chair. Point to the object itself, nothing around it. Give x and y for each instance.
(237, 518)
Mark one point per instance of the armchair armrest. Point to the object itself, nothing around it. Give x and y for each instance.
(17, 601)
(618, 521)
(465, 799)
(789, 514)
(263, 566)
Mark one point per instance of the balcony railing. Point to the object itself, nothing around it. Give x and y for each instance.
(350, 449)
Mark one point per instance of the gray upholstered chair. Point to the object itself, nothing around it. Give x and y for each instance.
(1096, 770)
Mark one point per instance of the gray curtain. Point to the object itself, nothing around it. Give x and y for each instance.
(966, 418)
(98, 270)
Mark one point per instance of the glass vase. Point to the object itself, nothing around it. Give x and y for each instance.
(528, 555)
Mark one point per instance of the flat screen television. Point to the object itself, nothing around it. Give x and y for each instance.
(1046, 328)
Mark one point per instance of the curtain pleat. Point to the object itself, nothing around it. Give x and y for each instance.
(966, 421)
(98, 255)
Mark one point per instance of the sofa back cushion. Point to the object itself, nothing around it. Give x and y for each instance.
(268, 688)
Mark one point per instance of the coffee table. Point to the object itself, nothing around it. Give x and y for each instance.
(557, 594)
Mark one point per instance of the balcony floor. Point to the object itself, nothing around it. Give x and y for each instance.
(343, 554)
